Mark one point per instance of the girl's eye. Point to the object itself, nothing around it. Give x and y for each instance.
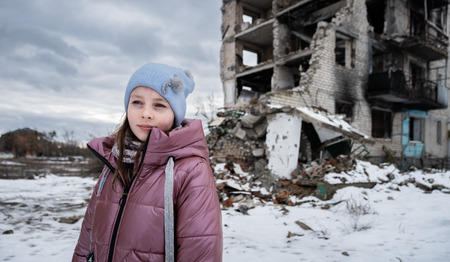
(137, 102)
(160, 105)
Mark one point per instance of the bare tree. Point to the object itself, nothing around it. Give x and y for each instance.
(207, 108)
(68, 137)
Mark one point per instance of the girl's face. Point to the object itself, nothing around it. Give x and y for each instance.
(148, 109)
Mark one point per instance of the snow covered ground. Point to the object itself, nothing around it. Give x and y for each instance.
(394, 221)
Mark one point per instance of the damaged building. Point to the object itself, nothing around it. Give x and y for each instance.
(295, 65)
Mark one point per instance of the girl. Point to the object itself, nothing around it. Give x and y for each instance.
(156, 198)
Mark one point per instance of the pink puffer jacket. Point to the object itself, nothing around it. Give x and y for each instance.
(136, 233)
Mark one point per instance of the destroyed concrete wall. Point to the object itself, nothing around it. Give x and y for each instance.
(324, 82)
(283, 143)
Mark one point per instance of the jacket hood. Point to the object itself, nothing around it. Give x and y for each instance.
(187, 141)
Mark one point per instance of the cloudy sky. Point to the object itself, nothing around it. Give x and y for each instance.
(65, 64)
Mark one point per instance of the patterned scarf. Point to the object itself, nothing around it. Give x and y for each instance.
(129, 154)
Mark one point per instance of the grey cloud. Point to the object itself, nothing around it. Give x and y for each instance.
(31, 54)
(42, 39)
(140, 44)
(51, 50)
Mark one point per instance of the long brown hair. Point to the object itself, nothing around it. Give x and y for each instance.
(124, 171)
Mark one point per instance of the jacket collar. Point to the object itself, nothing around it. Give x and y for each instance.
(189, 140)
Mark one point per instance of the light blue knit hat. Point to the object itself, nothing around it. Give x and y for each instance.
(174, 84)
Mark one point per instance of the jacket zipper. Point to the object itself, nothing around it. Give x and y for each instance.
(122, 202)
(123, 199)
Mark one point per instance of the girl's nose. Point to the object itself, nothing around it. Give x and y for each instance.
(147, 113)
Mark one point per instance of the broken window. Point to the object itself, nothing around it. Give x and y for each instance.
(437, 13)
(375, 15)
(437, 18)
(352, 53)
(259, 81)
(381, 124)
(344, 108)
(250, 58)
(438, 132)
(247, 19)
(417, 75)
(417, 24)
(256, 10)
(415, 129)
(252, 50)
(339, 51)
(344, 51)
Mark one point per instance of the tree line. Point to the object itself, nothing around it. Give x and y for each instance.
(28, 142)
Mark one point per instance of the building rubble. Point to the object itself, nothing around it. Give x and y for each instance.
(239, 158)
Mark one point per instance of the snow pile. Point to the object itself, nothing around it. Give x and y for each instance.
(6, 155)
(367, 172)
(10, 163)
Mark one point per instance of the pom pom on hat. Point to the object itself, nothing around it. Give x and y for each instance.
(174, 84)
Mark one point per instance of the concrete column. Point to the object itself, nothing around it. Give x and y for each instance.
(231, 19)
(283, 143)
(282, 76)
(229, 90)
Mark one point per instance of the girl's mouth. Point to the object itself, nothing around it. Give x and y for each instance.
(145, 127)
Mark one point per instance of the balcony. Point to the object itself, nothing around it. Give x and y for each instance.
(427, 41)
(392, 88)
